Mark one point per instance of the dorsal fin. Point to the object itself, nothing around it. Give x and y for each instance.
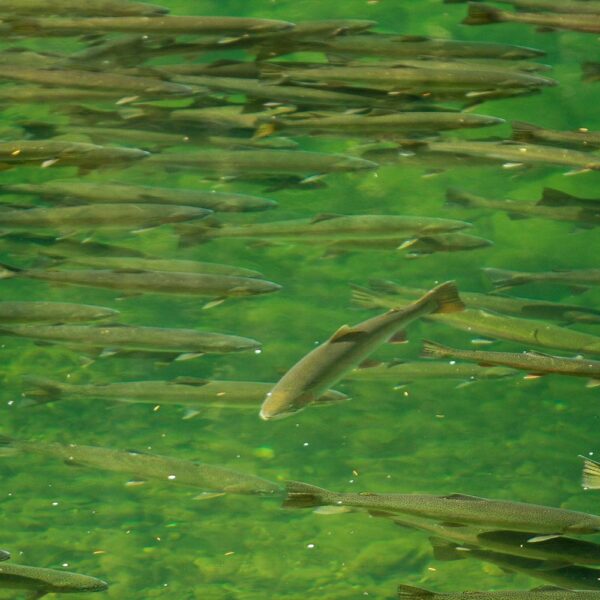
(552, 197)
(324, 217)
(346, 334)
(190, 381)
(462, 497)
(408, 591)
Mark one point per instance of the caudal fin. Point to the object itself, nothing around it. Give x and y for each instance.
(7, 271)
(40, 390)
(363, 297)
(447, 298)
(482, 14)
(304, 495)
(591, 474)
(524, 132)
(435, 350)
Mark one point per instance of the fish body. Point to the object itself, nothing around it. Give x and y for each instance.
(587, 215)
(47, 581)
(503, 278)
(48, 153)
(110, 193)
(261, 161)
(554, 6)
(150, 466)
(402, 373)
(186, 391)
(386, 294)
(407, 592)
(134, 263)
(383, 125)
(161, 25)
(483, 14)
(331, 228)
(52, 312)
(510, 152)
(532, 362)
(90, 8)
(455, 508)
(124, 338)
(105, 216)
(31, 94)
(582, 138)
(321, 368)
(95, 80)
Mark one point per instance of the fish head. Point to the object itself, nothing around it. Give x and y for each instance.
(280, 404)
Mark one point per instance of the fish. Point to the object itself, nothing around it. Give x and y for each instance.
(386, 294)
(328, 228)
(517, 209)
(507, 152)
(505, 279)
(191, 392)
(483, 14)
(553, 6)
(400, 46)
(423, 245)
(146, 466)
(570, 577)
(160, 25)
(454, 508)
(403, 80)
(321, 368)
(148, 87)
(591, 474)
(25, 311)
(407, 592)
(134, 263)
(379, 126)
(534, 363)
(557, 551)
(99, 216)
(405, 372)
(135, 281)
(590, 71)
(265, 162)
(31, 94)
(90, 8)
(110, 193)
(580, 138)
(114, 340)
(43, 581)
(48, 153)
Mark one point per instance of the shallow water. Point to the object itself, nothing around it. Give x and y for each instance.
(508, 439)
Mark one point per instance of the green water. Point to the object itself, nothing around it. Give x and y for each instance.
(508, 439)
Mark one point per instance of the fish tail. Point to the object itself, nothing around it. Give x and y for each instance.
(482, 14)
(591, 474)
(447, 298)
(266, 129)
(456, 196)
(304, 495)
(198, 233)
(444, 550)
(42, 390)
(503, 278)
(409, 591)
(7, 271)
(7, 447)
(523, 132)
(365, 298)
(434, 350)
(591, 71)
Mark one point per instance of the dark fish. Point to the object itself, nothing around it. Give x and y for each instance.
(407, 592)
(483, 14)
(505, 279)
(52, 312)
(534, 363)
(151, 466)
(89, 8)
(321, 368)
(553, 6)
(108, 193)
(591, 71)
(581, 138)
(454, 508)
